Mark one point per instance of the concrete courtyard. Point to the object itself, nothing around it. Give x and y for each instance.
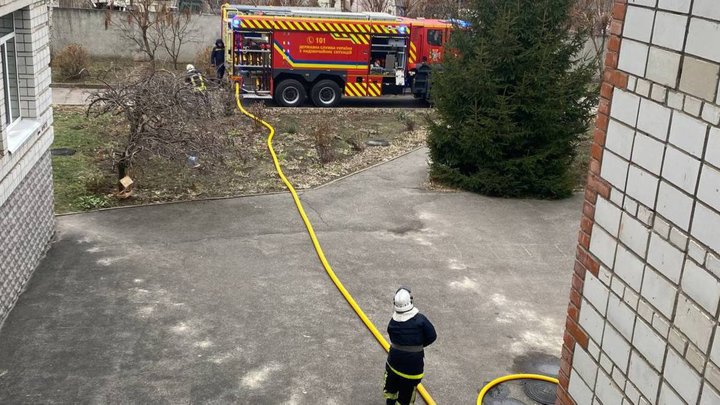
(225, 301)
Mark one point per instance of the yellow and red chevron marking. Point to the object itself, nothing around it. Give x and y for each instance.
(355, 39)
(350, 27)
(355, 89)
(413, 53)
(343, 37)
(363, 89)
(361, 38)
(374, 89)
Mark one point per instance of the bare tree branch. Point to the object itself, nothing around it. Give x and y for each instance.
(594, 16)
(375, 5)
(165, 117)
(153, 25)
(175, 30)
(431, 8)
(137, 24)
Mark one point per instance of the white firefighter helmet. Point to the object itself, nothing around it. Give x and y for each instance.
(403, 300)
(189, 67)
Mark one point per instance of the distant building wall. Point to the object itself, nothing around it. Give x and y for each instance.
(642, 324)
(26, 191)
(87, 27)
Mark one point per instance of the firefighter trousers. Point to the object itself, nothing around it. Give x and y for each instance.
(398, 390)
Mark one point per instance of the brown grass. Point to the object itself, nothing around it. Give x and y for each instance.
(87, 179)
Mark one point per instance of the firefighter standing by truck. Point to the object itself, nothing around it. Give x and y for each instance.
(217, 59)
(410, 332)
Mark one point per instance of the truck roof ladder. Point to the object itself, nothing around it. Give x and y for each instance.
(311, 13)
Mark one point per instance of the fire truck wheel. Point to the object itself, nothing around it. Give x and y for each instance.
(290, 93)
(326, 93)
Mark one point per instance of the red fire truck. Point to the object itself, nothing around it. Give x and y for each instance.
(290, 54)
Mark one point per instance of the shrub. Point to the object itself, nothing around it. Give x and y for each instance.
(409, 124)
(72, 62)
(291, 129)
(514, 102)
(406, 119)
(324, 140)
(357, 141)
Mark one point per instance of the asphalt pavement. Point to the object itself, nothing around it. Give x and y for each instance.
(225, 301)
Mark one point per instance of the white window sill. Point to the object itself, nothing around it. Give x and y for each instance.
(20, 132)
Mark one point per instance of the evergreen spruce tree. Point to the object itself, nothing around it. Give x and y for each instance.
(513, 97)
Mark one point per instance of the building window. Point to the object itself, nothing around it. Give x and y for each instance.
(8, 54)
(435, 37)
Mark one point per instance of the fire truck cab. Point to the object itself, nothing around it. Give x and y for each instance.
(290, 54)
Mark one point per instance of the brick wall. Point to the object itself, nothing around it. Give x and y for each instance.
(26, 201)
(643, 314)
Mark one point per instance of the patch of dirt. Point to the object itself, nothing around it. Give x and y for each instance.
(246, 167)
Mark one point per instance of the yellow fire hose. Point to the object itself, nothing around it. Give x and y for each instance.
(511, 377)
(350, 300)
(321, 255)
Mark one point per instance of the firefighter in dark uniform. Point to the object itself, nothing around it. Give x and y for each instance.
(410, 332)
(217, 58)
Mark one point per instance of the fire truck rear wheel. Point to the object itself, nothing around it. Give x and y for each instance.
(326, 93)
(290, 93)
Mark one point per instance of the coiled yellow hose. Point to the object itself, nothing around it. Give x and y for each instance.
(511, 377)
(321, 255)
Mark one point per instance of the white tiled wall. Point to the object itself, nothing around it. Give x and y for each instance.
(651, 315)
(32, 36)
(26, 212)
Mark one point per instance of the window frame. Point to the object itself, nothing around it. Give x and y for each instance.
(7, 88)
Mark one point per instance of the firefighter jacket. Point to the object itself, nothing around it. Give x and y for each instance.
(217, 57)
(408, 339)
(196, 79)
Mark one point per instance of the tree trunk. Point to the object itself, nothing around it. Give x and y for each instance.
(122, 171)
